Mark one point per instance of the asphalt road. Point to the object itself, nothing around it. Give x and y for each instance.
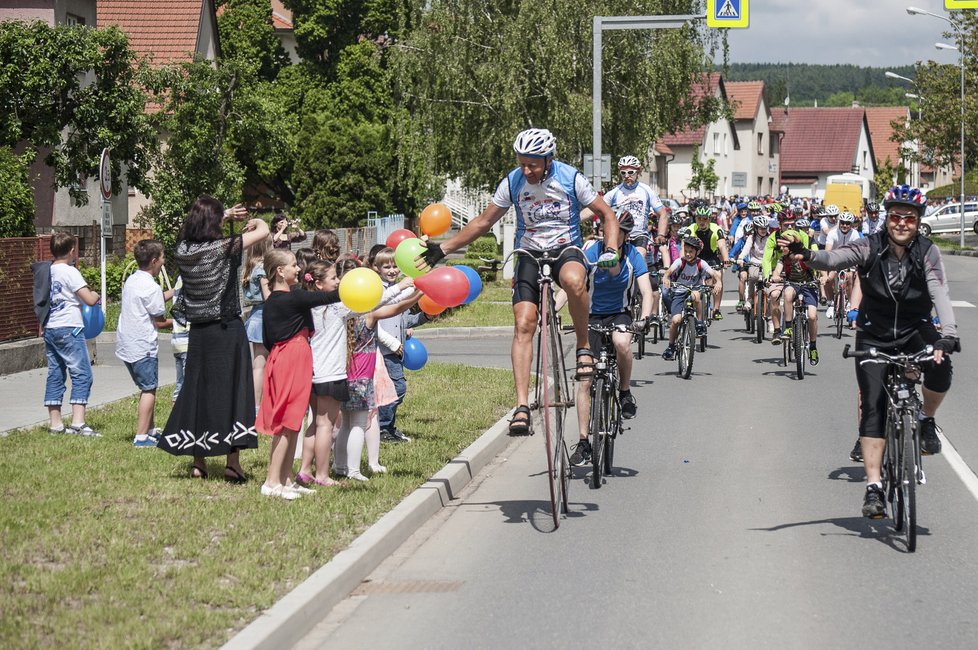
(732, 520)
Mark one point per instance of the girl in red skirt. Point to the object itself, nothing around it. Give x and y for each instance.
(286, 327)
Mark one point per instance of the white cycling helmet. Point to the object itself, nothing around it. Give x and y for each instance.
(629, 162)
(535, 142)
(761, 221)
(831, 210)
(847, 217)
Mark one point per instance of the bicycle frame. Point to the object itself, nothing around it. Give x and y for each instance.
(605, 414)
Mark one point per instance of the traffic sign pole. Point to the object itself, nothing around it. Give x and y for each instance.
(105, 191)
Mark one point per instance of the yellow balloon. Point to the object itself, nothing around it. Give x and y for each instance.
(361, 289)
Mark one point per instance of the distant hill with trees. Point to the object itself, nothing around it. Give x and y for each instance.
(829, 85)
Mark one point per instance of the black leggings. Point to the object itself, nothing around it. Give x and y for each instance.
(871, 378)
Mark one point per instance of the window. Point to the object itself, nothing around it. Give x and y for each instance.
(760, 145)
(865, 154)
(725, 144)
(716, 144)
(71, 20)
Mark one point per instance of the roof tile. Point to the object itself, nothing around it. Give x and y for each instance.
(745, 96)
(820, 139)
(165, 31)
(879, 119)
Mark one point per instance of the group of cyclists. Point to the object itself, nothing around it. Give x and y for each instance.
(644, 255)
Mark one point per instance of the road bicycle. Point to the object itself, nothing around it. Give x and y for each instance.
(839, 302)
(902, 468)
(605, 423)
(686, 334)
(552, 396)
(755, 308)
(638, 336)
(795, 348)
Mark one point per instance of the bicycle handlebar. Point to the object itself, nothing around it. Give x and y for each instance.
(545, 254)
(873, 355)
(692, 287)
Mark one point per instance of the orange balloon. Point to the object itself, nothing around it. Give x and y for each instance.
(429, 306)
(435, 219)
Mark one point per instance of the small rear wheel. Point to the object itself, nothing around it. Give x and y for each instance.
(686, 346)
(798, 335)
(759, 323)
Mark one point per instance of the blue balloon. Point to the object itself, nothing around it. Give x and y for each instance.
(415, 354)
(475, 282)
(94, 320)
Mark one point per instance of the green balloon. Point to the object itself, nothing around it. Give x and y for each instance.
(404, 256)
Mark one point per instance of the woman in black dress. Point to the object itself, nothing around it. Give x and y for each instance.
(215, 412)
(281, 236)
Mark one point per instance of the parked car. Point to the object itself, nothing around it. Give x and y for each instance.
(671, 205)
(947, 218)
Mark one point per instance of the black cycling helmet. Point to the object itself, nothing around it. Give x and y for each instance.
(625, 221)
(693, 242)
(873, 207)
(906, 195)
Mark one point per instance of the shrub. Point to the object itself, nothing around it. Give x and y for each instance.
(114, 269)
(16, 197)
(484, 246)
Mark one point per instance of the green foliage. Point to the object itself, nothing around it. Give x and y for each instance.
(71, 91)
(484, 246)
(246, 32)
(16, 195)
(704, 176)
(115, 271)
(471, 75)
(324, 29)
(829, 85)
(953, 190)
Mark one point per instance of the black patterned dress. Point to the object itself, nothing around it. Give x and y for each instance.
(215, 412)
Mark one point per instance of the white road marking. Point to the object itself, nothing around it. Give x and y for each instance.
(961, 303)
(965, 473)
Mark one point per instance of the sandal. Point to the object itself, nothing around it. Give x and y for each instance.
(198, 472)
(585, 370)
(521, 426)
(232, 475)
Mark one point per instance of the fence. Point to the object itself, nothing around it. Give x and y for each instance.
(358, 241)
(17, 318)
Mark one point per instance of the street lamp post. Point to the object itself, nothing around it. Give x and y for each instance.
(913, 11)
(893, 75)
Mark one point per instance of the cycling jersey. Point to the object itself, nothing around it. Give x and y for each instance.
(611, 292)
(548, 214)
(772, 254)
(640, 200)
(838, 238)
(754, 248)
(691, 273)
(709, 237)
(824, 228)
(870, 226)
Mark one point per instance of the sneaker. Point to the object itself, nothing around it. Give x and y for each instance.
(357, 476)
(582, 454)
(700, 328)
(787, 333)
(397, 433)
(669, 353)
(82, 430)
(822, 300)
(144, 441)
(740, 306)
(378, 469)
(301, 489)
(60, 429)
(717, 315)
(628, 406)
(155, 433)
(929, 442)
(776, 337)
(813, 356)
(279, 491)
(830, 312)
(390, 436)
(856, 455)
(874, 505)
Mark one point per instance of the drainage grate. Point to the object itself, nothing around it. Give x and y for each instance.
(408, 587)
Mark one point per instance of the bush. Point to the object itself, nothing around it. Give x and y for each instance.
(114, 270)
(16, 197)
(484, 246)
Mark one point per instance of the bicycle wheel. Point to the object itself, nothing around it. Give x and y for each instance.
(890, 470)
(614, 426)
(908, 471)
(759, 323)
(641, 344)
(800, 331)
(550, 396)
(839, 315)
(598, 428)
(703, 341)
(686, 343)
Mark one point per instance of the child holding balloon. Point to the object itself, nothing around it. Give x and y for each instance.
(361, 365)
(64, 338)
(287, 323)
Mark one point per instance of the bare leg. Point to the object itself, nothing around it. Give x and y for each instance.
(932, 402)
(583, 405)
(144, 412)
(525, 316)
(872, 457)
(279, 460)
(54, 415)
(259, 355)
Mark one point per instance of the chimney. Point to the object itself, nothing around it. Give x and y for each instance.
(855, 104)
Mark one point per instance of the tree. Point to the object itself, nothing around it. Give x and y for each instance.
(69, 92)
(246, 32)
(472, 75)
(704, 178)
(17, 197)
(939, 128)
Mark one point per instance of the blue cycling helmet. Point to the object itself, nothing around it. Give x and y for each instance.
(741, 206)
(906, 195)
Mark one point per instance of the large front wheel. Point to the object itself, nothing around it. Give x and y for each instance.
(759, 323)
(686, 344)
(800, 331)
(908, 477)
(598, 429)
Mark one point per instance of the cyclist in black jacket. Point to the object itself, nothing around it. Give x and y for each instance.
(903, 280)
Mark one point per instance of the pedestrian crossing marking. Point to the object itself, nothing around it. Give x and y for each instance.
(727, 10)
(725, 14)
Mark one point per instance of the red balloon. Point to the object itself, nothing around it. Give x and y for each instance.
(430, 307)
(446, 286)
(398, 236)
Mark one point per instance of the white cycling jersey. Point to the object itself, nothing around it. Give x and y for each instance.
(871, 227)
(826, 227)
(754, 248)
(640, 200)
(548, 214)
(837, 238)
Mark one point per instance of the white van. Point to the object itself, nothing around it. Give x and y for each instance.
(947, 218)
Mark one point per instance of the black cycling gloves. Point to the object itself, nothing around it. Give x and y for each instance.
(433, 254)
(947, 345)
(798, 248)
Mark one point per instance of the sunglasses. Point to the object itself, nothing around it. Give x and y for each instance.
(902, 218)
(629, 172)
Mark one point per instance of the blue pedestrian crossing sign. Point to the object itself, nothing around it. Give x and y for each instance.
(727, 13)
(961, 4)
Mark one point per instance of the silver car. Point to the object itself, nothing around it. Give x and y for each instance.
(947, 218)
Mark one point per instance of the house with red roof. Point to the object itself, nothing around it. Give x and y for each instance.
(672, 154)
(822, 142)
(757, 161)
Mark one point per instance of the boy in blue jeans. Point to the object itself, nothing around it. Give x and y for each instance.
(64, 339)
(143, 312)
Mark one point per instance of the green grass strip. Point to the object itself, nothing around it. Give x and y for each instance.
(109, 546)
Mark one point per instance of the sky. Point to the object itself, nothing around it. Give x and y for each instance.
(875, 33)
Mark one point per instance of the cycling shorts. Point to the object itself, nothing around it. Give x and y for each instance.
(674, 301)
(604, 320)
(809, 296)
(526, 281)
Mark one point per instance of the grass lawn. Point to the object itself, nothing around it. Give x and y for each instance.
(109, 546)
(949, 245)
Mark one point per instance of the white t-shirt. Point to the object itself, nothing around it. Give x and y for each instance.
(640, 200)
(66, 280)
(142, 301)
(836, 238)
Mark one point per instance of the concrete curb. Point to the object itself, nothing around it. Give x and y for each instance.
(462, 332)
(291, 618)
(961, 253)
